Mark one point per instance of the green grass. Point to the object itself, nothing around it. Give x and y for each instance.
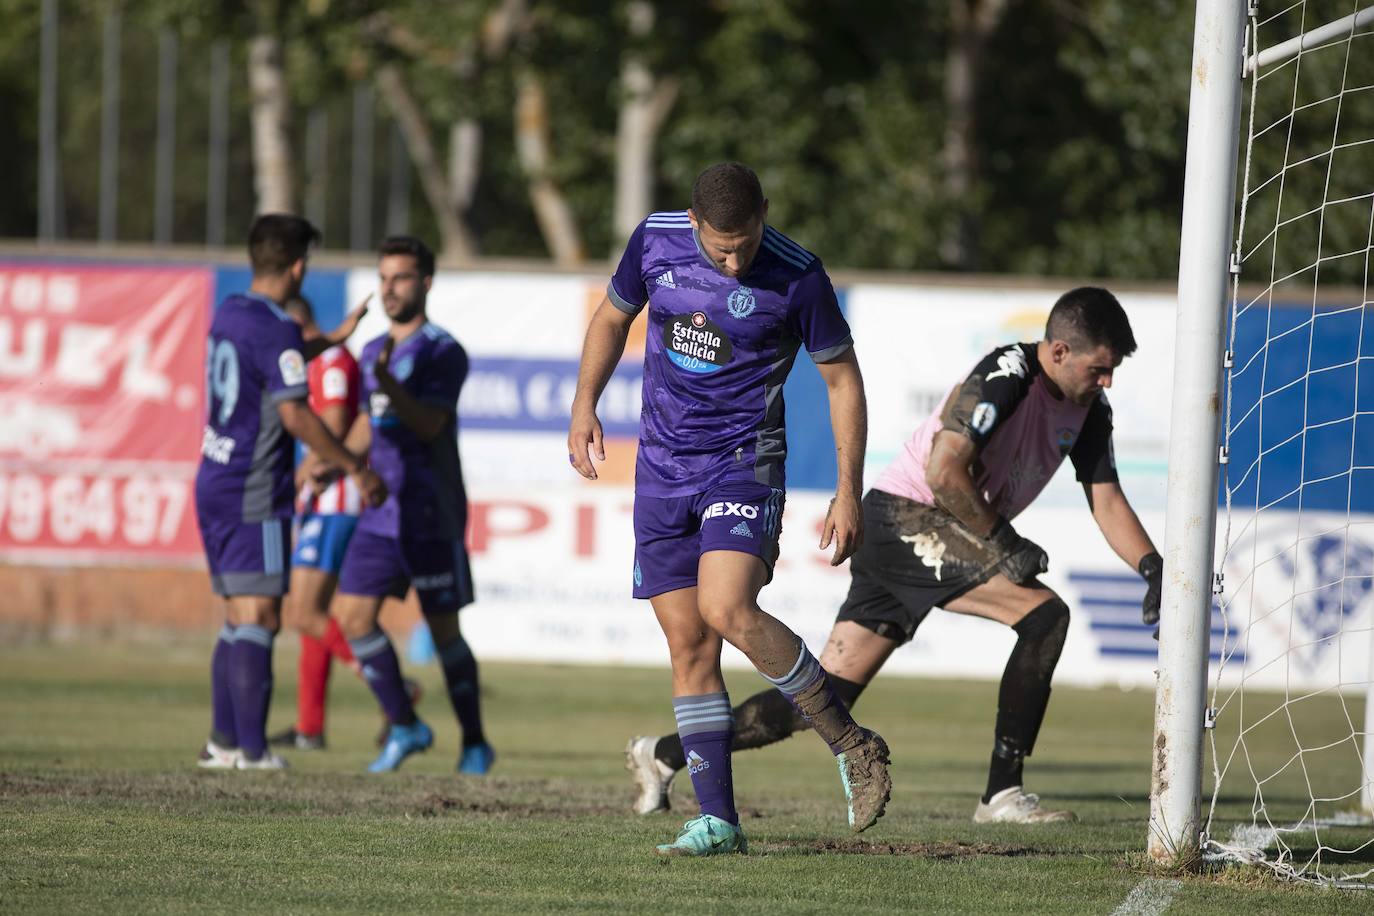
(102, 809)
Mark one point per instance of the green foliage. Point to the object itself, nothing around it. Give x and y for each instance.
(1080, 136)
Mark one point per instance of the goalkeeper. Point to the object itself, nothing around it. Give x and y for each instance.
(939, 533)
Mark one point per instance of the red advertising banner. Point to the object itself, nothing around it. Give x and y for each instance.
(101, 409)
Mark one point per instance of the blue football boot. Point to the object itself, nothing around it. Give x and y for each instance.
(477, 760)
(401, 742)
(706, 835)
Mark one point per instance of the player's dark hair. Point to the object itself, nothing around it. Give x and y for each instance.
(300, 306)
(408, 244)
(278, 240)
(728, 197)
(1090, 317)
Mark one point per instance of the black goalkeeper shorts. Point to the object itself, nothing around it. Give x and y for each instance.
(914, 557)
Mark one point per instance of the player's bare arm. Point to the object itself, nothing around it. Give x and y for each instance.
(317, 345)
(950, 476)
(1123, 531)
(303, 423)
(426, 421)
(601, 351)
(849, 419)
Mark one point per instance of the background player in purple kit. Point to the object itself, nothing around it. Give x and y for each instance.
(730, 302)
(938, 524)
(256, 392)
(408, 425)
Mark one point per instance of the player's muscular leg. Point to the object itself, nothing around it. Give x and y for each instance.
(693, 646)
(356, 614)
(854, 653)
(1001, 600)
(307, 605)
(728, 584)
(259, 610)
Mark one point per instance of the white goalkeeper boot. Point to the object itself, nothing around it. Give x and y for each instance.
(1016, 806)
(652, 778)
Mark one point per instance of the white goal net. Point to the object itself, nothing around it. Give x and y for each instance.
(1292, 776)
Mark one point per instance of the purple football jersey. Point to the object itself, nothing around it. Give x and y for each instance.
(424, 480)
(717, 352)
(253, 362)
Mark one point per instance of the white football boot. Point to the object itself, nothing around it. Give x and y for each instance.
(1016, 806)
(652, 778)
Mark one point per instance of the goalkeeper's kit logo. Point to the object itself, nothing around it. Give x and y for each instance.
(696, 764)
(1012, 362)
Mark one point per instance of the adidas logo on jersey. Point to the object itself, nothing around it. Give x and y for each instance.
(695, 763)
(742, 530)
(665, 279)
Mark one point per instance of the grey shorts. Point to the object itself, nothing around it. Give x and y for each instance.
(914, 557)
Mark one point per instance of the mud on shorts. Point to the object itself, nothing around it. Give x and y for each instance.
(671, 533)
(914, 557)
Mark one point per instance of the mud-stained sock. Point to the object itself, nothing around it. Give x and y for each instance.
(765, 718)
(706, 725)
(337, 644)
(382, 671)
(312, 682)
(223, 731)
(460, 674)
(250, 682)
(807, 687)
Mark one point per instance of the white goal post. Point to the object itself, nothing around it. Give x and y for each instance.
(1275, 275)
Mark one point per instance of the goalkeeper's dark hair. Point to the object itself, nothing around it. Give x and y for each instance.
(409, 244)
(728, 197)
(1089, 317)
(278, 240)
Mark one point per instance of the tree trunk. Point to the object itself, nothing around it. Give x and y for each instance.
(645, 102)
(455, 237)
(551, 210)
(273, 177)
(972, 22)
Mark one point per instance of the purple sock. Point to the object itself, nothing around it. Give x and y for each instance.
(460, 674)
(706, 727)
(250, 684)
(223, 731)
(383, 672)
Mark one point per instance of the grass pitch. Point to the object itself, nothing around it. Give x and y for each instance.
(103, 810)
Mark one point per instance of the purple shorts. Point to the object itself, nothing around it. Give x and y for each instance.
(383, 567)
(672, 533)
(247, 558)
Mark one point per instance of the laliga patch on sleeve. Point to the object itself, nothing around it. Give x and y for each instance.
(292, 366)
(984, 415)
(334, 384)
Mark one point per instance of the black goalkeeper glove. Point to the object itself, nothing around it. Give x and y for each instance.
(1151, 568)
(1021, 560)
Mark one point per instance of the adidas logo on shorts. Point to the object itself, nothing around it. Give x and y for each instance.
(742, 530)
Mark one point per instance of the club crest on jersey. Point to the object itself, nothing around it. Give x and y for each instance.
(402, 368)
(741, 303)
(695, 343)
(1067, 437)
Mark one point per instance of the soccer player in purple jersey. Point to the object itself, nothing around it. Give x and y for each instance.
(408, 425)
(256, 393)
(730, 300)
(939, 534)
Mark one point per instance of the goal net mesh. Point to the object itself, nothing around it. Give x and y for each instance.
(1289, 730)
